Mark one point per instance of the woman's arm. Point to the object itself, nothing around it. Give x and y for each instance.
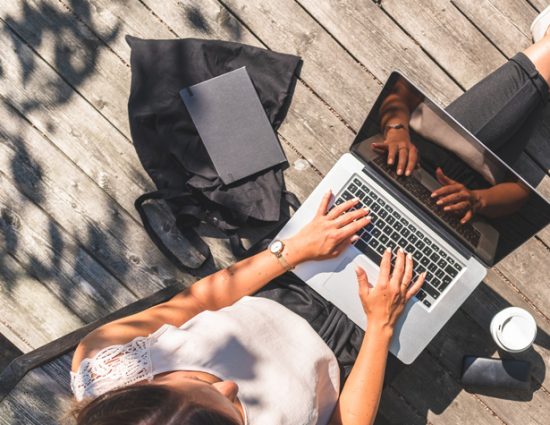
(326, 236)
(358, 402)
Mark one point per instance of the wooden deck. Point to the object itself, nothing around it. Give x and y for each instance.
(72, 248)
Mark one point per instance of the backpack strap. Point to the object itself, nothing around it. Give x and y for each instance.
(191, 214)
(194, 239)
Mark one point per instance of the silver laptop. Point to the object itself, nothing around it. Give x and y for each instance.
(455, 256)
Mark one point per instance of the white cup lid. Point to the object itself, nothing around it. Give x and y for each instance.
(517, 329)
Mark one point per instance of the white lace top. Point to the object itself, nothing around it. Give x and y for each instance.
(285, 372)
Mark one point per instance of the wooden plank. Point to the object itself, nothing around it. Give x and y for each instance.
(494, 295)
(539, 5)
(437, 396)
(46, 26)
(462, 336)
(31, 314)
(72, 199)
(86, 137)
(38, 400)
(55, 258)
(448, 37)
(505, 22)
(527, 269)
(115, 66)
(398, 410)
(375, 40)
(71, 123)
(16, 370)
(328, 69)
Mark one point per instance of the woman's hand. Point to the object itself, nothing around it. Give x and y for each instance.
(456, 198)
(397, 143)
(330, 232)
(384, 302)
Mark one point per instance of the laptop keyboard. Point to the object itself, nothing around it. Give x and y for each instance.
(420, 192)
(388, 228)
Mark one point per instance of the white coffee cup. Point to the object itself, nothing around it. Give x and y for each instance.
(513, 329)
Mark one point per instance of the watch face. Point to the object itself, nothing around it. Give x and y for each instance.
(276, 246)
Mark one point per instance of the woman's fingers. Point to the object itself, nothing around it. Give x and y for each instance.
(363, 280)
(350, 217)
(398, 269)
(342, 208)
(385, 266)
(322, 210)
(349, 229)
(414, 288)
(407, 275)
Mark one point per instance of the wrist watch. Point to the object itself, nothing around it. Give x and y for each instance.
(396, 126)
(276, 248)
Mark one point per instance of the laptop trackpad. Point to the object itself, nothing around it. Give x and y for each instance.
(343, 289)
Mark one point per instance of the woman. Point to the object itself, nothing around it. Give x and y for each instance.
(308, 393)
(178, 362)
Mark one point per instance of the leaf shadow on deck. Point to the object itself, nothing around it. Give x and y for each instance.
(38, 24)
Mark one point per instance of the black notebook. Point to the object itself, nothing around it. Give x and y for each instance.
(233, 126)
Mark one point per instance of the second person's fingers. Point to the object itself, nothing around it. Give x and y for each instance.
(446, 190)
(392, 151)
(453, 198)
(413, 159)
(403, 154)
(467, 217)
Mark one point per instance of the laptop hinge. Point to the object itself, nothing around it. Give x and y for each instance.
(433, 224)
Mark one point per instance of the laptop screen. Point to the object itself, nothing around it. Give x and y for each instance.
(468, 189)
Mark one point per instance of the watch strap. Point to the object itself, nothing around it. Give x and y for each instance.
(280, 257)
(283, 262)
(395, 126)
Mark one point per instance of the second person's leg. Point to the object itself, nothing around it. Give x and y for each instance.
(505, 109)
